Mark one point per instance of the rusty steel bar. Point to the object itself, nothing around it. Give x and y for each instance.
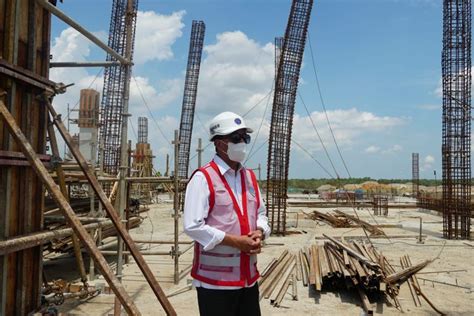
(78, 228)
(88, 172)
(32, 240)
(62, 185)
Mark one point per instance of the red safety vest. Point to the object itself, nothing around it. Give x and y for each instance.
(225, 265)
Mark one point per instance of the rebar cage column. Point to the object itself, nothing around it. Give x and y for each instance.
(456, 135)
(115, 80)
(415, 172)
(282, 113)
(189, 96)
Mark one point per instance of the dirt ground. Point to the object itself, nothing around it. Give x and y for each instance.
(158, 225)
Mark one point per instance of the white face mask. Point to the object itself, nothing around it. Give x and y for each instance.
(237, 152)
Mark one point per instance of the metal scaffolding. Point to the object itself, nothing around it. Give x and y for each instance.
(282, 113)
(116, 79)
(189, 96)
(456, 140)
(415, 172)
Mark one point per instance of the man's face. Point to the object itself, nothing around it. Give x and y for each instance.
(235, 137)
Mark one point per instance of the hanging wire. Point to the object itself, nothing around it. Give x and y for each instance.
(260, 101)
(133, 128)
(149, 111)
(324, 107)
(261, 124)
(256, 150)
(319, 136)
(312, 157)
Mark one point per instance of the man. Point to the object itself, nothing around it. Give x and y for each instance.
(225, 215)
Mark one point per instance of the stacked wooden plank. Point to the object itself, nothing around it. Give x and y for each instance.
(334, 265)
(277, 278)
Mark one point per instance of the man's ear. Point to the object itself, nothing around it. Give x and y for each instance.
(220, 145)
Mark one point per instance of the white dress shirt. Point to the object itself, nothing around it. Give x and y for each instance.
(196, 209)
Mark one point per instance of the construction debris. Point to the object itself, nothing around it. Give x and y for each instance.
(340, 219)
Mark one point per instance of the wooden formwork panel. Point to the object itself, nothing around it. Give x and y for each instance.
(25, 43)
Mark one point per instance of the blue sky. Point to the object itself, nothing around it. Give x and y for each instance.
(378, 63)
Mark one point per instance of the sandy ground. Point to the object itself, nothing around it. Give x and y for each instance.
(455, 255)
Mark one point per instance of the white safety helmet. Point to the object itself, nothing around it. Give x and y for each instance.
(226, 123)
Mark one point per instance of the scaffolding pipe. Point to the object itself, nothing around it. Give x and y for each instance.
(84, 64)
(32, 240)
(164, 242)
(123, 138)
(66, 19)
(176, 215)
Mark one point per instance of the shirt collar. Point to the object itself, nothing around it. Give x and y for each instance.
(223, 166)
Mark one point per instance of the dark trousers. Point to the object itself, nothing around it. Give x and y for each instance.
(239, 302)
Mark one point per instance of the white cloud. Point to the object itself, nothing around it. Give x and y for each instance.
(349, 126)
(429, 159)
(236, 73)
(427, 163)
(169, 91)
(372, 149)
(394, 149)
(70, 45)
(155, 35)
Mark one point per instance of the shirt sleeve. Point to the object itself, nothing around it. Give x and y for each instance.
(196, 209)
(262, 219)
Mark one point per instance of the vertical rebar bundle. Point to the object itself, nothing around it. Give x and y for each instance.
(282, 113)
(115, 80)
(278, 47)
(142, 130)
(415, 172)
(380, 205)
(142, 164)
(456, 142)
(189, 96)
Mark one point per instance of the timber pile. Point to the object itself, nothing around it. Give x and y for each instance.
(339, 219)
(331, 219)
(277, 277)
(335, 265)
(374, 230)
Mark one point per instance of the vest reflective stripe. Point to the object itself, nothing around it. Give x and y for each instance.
(223, 250)
(225, 265)
(220, 261)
